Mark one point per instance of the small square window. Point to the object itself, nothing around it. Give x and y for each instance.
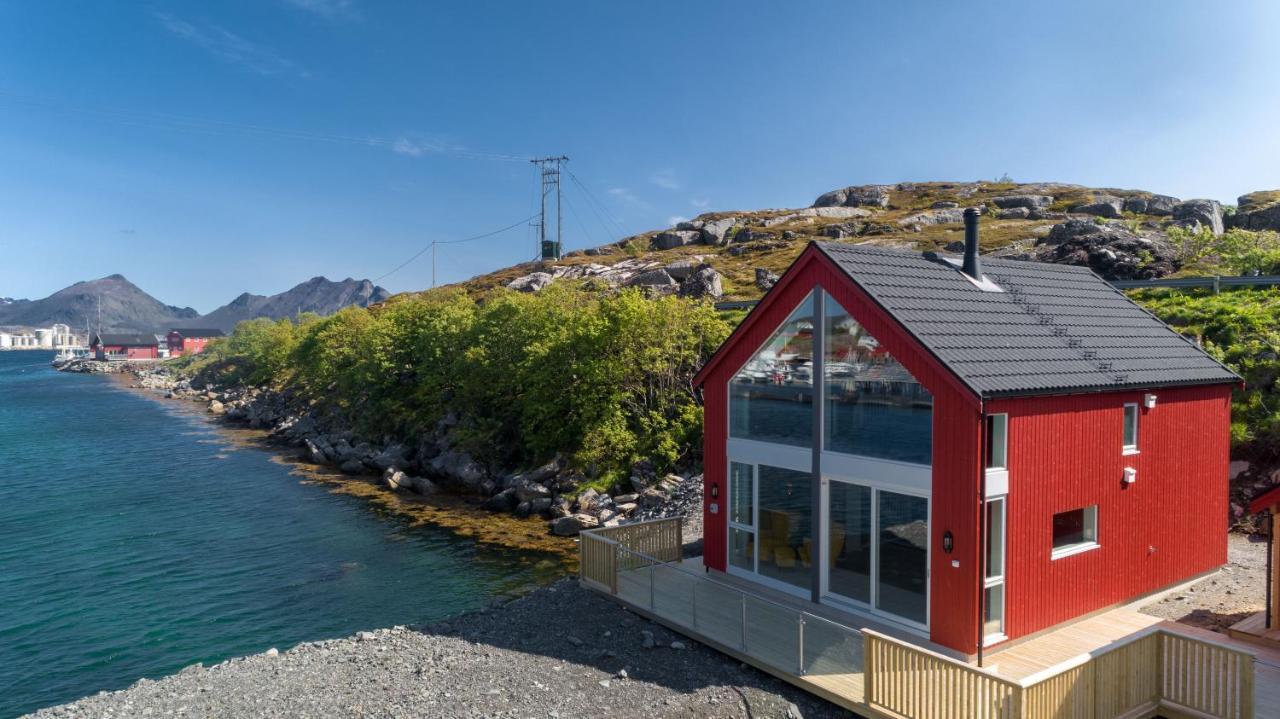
(1131, 427)
(1075, 531)
(997, 441)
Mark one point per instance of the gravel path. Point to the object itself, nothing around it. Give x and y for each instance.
(560, 651)
(1233, 593)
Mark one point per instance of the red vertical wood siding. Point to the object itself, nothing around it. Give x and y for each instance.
(956, 440)
(1065, 453)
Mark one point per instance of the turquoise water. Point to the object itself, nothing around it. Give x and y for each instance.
(135, 540)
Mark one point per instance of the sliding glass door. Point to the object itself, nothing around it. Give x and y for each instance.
(879, 550)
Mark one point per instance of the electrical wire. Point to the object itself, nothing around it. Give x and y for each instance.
(593, 202)
(424, 250)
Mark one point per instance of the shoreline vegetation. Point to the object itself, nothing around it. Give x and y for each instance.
(571, 405)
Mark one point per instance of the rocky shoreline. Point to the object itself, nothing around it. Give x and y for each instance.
(557, 494)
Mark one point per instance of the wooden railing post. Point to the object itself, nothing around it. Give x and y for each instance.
(1246, 687)
(868, 668)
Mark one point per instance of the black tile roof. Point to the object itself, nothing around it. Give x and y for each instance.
(196, 333)
(1054, 328)
(127, 340)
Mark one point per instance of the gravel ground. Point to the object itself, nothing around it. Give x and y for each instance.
(1235, 592)
(560, 651)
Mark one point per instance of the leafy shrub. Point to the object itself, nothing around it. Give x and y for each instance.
(605, 378)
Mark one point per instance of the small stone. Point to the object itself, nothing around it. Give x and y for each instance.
(364, 636)
(678, 645)
(604, 683)
(573, 640)
(622, 673)
(273, 652)
(647, 642)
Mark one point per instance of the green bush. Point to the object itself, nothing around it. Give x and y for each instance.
(605, 378)
(1242, 330)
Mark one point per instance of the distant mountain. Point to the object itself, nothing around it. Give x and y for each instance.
(125, 307)
(318, 295)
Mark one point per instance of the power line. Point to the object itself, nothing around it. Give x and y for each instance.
(433, 243)
(603, 213)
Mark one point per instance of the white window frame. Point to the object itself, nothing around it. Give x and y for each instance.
(1091, 514)
(754, 574)
(1003, 419)
(1136, 425)
(869, 609)
(998, 580)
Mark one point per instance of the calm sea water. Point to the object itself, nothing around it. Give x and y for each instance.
(135, 540)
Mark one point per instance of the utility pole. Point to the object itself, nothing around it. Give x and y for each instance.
(549, 171)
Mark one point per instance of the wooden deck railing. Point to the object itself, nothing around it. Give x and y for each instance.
(1153, 669)
(912, 681)
(659, 540)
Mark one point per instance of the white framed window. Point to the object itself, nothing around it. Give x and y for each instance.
(997, 441)
(1075, 531)
(1130, 442)
(993, 583)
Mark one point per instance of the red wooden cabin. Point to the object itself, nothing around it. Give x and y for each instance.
(974, 450)
(124, 346)
(190, 341)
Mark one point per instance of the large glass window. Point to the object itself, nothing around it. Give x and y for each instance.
(903, 561)
(849, 514)
(875, 408)
(993, 583)
(785, 513)
(771, 397)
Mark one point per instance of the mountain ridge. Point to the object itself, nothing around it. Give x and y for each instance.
(126, 307)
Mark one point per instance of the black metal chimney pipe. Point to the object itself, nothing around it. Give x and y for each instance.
(972, 266)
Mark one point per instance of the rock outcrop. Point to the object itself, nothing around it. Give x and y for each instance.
(1110, 250)
(855, 196)
(1257, 211)
(1194, 214)
(1102, 206)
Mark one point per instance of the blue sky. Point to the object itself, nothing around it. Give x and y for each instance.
(204, 149)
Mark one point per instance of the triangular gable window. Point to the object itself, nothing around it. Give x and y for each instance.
(771, 396)
(874, 406)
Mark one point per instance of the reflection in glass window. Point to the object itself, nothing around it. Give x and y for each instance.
(875, 408)
(785, 512)
(903, 570)
(849, 510)
(771, 397)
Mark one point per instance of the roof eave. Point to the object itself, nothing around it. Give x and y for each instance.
(1103, 389)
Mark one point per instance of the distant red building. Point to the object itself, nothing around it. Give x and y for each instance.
(124, 346)
(190, 341)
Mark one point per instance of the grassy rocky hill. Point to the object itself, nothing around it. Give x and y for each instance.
(563, 389)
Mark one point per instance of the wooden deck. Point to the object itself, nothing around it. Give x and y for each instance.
(1116, 664)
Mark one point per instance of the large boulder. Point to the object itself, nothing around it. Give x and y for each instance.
(652, 278)
(1015, 213)
(1110, 250)
(1194, 214)
(1102, 206)
(716, 232)
(572, 524)
(531, 282)
(765, 279)
(704, 282)
(1257, 211)
(675, 238)
(855, 196)
(458, 468)
(1030, 202)
(682, 268)
(1150, 205)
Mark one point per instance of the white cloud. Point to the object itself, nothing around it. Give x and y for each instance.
(700, 202)
(666, 179)
(676, 219)
(625, 195)
(229, 47)
(327, 8)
